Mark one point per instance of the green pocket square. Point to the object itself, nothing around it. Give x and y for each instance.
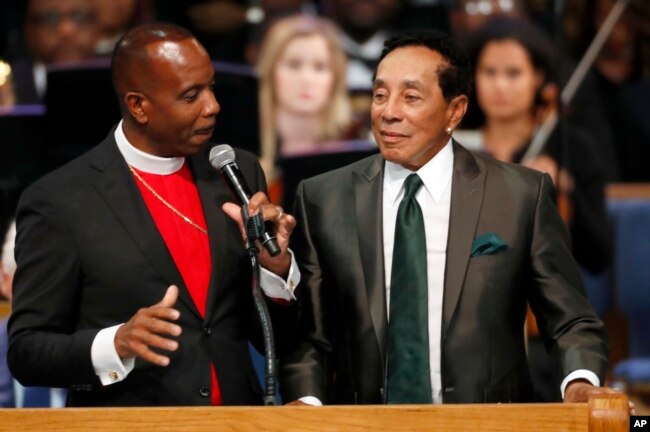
(487, 244)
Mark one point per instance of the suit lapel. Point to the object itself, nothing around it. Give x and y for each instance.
(117, 186)
(368, 197)
(467, 190)
(213, 193)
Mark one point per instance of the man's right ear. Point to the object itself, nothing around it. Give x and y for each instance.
(136, 103)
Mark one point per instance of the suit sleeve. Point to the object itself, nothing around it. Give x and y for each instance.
(565, 317)
(303, 370)
(45, 347)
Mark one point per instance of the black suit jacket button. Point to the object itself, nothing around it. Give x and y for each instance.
(204, 391)
(207, 331)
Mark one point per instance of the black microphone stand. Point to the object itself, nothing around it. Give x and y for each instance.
(254, 226)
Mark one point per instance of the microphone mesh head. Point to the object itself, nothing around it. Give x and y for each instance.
(221, 156)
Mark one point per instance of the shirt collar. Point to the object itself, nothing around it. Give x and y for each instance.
(435, 174)
(145, 162)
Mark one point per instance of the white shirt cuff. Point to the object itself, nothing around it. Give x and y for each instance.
(107, 364)
(311, 400)
(580, 374)
(276, 287)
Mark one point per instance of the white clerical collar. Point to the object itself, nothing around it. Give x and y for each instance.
(435, 174)
(145, 162)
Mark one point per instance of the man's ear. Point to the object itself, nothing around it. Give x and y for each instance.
(136, 103)
(456, 111)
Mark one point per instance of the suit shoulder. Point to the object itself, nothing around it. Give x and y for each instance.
(244, 156)
(71, 174)
(75, 176)
(249, 164)
(343, 176)
(509, 171)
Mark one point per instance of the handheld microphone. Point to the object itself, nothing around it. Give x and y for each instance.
(222, 158)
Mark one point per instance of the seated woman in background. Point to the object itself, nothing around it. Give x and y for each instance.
(515, 91)
(303, 100)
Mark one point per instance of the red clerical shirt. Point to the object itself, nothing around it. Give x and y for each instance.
(188, 246)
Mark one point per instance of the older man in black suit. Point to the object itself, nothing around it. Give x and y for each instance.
(418, 263)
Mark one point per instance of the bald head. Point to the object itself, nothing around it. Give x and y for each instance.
(165, 80)
(132, 59)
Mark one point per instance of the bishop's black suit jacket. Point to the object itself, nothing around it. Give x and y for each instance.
(89, 256)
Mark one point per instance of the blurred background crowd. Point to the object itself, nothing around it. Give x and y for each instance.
(294, 80)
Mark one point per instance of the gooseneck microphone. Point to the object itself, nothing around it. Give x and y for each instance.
(222, 158)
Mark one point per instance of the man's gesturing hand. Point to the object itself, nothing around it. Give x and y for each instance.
(142, 332)
(285, 223)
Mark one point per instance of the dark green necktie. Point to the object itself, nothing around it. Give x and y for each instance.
(409, 380)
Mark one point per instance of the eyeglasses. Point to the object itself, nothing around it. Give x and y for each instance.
(488, 7)
(55, 18)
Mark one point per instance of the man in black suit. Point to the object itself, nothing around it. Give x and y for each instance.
(133, 286)
(492, 241)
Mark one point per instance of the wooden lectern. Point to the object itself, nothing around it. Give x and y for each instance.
(606, 412)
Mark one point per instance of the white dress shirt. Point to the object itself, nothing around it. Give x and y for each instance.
(106, 362)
